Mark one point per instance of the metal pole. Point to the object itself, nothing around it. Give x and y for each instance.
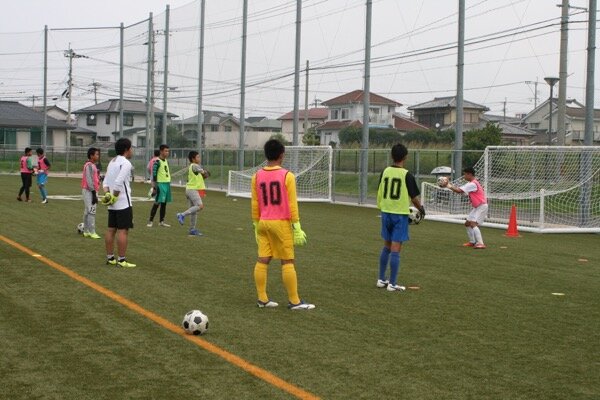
(306, 101)
(70, 54)
(458, 137)
(45, 126)
(297, 74)
(149, 145)
(364, 154)
(561, 138)
(550, 116)
(243, 89)
(121, 70)
(200, 117)
(165, 77)
(589, 85)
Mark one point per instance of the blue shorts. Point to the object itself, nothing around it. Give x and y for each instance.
(394, 227)
(42, 179)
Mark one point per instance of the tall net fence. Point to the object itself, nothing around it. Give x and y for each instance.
(554, 189)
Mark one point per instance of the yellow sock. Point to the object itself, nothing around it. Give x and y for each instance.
(260, 279)
(290, 281)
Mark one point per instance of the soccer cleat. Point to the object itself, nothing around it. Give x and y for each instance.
(164, 224)
(180, 218)
(19, 198)
(86, 234)
(469, 244)
(267, 304)
(93, 235)
(125, 264)
(381, 284)
(301, 306)
(149, 224)
(111, 261)
(479, 246)
(395, 288)
(195, 232)
(45, 201)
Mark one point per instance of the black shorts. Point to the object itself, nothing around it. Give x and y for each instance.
(121, 219)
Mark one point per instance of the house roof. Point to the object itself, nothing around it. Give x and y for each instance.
(16, 115)
(254, 120)
(53, 107)
(266, 123)
(500, 118)
(210, 118)
(131, 131)
(313, 113)
(356, 96)
(446, 102)
(336, 125)
(81, 129)
(580, 112)
(112, 107)
(404, 123)
(514, 130)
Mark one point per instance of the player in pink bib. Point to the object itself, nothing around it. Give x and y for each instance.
(480, 207)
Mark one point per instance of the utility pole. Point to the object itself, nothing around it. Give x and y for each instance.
(95, 86)
(458, 138)
(166, 76)
(306, 101)
(504, 110)
(364, 153)
(243, 89)
(121, 69)
(589, 84)
(45, 126)
(562, 75)
(297, 74)
(149, 124)
(200, 138)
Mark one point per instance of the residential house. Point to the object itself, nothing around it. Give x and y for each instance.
(263, 124)
(347, 110)
(53, 111)
(404, 124)
(512, 128)
(538, 121)
(103, 120)
(21, 127)
(440, 113)
(80, 136)
(316, 116)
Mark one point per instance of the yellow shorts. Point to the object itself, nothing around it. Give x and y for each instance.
(275, 239)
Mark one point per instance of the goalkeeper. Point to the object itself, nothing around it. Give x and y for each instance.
(276, 226)
(397, 189)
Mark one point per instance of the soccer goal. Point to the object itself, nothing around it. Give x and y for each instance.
(312, 166)
(555, 189)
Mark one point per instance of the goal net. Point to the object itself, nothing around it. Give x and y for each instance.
(554, 189)
(310, 164)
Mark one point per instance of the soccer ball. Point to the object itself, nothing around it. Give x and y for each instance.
(80, 228)
(414, 217)
(442, 181)
(205, 173)
(195, 322)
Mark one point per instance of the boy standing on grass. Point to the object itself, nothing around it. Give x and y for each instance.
(276, 226)
(90, 184)
(26, 170)
(118, 199)
(480, 207)
(42, 174)
(397, 189)
(161, 187)
(195, 190)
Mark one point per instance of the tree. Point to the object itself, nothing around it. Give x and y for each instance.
(279, 136)
(479, 139)
(176, 139)
(350, 135)
(310, 138)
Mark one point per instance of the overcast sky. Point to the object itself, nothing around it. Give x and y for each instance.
(510, 45)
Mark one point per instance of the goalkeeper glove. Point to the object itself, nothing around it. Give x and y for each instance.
(94, 198)
(108, 199)
(422, 211)
(299, 235)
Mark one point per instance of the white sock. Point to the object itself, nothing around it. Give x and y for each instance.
(471, 235)
(477, 234)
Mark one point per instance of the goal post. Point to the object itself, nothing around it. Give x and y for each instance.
(555, 189)
(311, 165)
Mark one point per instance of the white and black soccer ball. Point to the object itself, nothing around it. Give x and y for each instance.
(195, 322)
(80, 228)
(442, 181)
(415, 216)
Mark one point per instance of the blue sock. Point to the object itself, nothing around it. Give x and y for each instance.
(43, 192)
(394, 267)
(383, 262)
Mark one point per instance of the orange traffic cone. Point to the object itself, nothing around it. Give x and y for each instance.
(512, 223)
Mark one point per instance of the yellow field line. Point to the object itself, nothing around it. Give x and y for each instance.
(229, 357)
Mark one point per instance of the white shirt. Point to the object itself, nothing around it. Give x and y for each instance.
(469, 187)
(116, 179)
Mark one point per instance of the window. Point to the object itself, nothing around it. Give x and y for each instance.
(8, 136)
(103, 139)
(141, 141)
(91, 119)
(227, 128)
(214, 128)
(128, 119)
(345, 113)
(35, 137)
(374, 110)
(107, 119)
(335, 114)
